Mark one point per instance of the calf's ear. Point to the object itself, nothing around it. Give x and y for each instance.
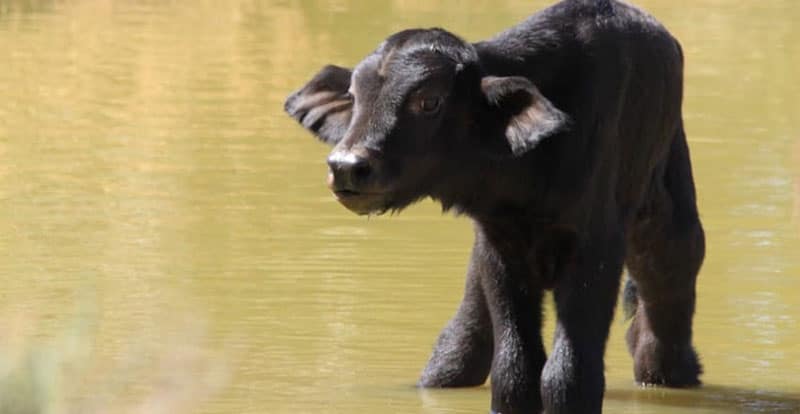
(323, 105)
(526, 115)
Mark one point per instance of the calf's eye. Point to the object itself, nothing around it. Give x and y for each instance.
(430, 104)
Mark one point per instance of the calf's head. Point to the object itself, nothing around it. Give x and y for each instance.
(412, 114)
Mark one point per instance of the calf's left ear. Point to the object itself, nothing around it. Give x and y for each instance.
(528, 117)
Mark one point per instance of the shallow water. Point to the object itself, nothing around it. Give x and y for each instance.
(166, 234)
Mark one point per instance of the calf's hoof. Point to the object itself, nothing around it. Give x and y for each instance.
(459, 360)
(669, 366)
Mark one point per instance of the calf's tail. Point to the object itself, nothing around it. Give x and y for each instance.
(630, 299)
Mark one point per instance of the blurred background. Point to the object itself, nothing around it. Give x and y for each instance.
(167, 243)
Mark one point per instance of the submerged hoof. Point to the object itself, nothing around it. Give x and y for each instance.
(677, 367)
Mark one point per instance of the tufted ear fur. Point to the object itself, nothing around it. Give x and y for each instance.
(323, 106)
(527, 115)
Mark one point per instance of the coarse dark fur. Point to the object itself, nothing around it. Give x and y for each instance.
(562, 139)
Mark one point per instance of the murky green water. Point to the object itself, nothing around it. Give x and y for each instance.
(167, 240)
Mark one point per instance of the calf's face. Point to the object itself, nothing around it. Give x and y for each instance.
(413, 113)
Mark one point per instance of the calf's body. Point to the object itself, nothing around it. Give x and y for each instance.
(562, 139)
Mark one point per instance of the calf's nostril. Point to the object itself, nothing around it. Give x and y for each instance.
(361, 170)
(348, 171)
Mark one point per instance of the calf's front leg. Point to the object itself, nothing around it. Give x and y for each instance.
(572, 380)
(514, 301)
(462, 356)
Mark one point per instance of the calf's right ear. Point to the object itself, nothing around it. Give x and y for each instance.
(323, 105)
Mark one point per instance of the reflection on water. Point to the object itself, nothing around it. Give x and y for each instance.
(146, 164)
(796, 214)
(709, 399)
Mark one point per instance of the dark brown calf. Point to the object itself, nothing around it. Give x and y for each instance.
(562, 139)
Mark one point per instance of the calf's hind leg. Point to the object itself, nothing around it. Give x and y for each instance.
(666, 246)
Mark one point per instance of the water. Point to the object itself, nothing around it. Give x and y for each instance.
(167, 243)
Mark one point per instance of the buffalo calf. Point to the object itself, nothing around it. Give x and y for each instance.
(562, 139)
